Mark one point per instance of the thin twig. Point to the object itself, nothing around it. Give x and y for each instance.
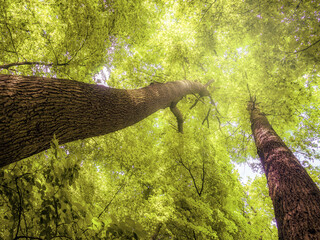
(11, 38)
(207, 117)
(20, 207)
(81, 46)
(191, 175)
(195, 103)
(113, 197)
(307, 47)
(7, 66)
(203, 175)
(214, 104)
(197, 100)
(205, 13)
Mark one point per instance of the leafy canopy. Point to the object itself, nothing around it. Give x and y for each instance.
(147, 180)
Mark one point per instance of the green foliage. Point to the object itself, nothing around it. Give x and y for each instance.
(148, 180)
(260, 209)
(184, 187)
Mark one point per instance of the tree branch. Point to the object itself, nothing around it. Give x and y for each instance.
(114, 196)
(191, 175)
(202, 179)
(178, 115)
(307, 47)
(208, 83)
(207, 117)
(195, 103)
(7, 66)
(215, 106)
(206, 12)
(11, 38)
(81, 46)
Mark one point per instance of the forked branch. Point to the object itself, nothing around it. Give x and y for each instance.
(177, 112)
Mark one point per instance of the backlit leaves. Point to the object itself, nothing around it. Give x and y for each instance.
(148, 180)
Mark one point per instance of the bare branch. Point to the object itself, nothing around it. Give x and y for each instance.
(19, 206)
(203, 174)
(195, 103)
(316, 42)
(191, 175)
(81, 46)
(206, 94)
(114, 196)
(207, 117)
(219, 125)
(197, 100)
(178, 115)
(11, 38)
(7, 66)
(215, 106)
(208, 83)
(205, 13)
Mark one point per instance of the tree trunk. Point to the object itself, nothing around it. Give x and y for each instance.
(33, 109)
(295, 197)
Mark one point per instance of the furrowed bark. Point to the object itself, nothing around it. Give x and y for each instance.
(295, 197)
(33, 109)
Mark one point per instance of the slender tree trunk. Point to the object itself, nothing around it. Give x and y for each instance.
(33, 109)
(295, 197)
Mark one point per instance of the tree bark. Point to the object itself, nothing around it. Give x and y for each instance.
(295, 197)
(34, 109)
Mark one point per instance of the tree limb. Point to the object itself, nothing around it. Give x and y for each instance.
(7, 66)
(178, 115)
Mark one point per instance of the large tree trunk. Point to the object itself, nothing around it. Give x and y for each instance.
(295, 197)
(33, 109)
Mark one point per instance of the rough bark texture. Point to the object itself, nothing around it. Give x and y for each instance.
(33, 109)
(295, 197)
